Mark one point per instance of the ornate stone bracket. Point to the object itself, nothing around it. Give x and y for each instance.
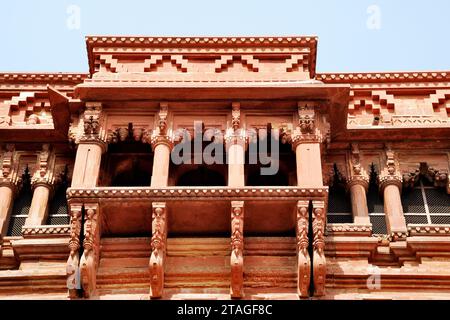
(237, 249)
(158, 245)
(91, 244)
(303, 259)
(73, 262)
(319, 262)
(358, 174)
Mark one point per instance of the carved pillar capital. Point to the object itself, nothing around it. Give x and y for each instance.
(358, 180)
(390, 174)
(9, 176)
(303, 258)
(237, 249)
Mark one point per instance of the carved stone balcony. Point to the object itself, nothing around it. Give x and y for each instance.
(196, 210)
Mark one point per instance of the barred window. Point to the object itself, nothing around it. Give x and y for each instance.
(21, 206)
(339, 203)
(58, 212)
(375, 205)
(426, 204)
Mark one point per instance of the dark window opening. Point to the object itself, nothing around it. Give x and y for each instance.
(284, 159)
(128, 163)
(375, 204)
(58, 213)
(201, 177)
(339, 202)
(21, 206)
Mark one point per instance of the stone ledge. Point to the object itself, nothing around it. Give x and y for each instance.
(46, 231)
(198, 193)
(429, 230)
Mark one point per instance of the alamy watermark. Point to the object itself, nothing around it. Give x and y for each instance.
(262, 147)
(73, 21)
(374, 19)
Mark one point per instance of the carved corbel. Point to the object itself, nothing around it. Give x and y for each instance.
(237, 249)
(311, 128)
(92, 125)
(158, 245)
(319, 262)
(303, 259)
(73, 262)
(358, 174)
(9, 172)
(390, 175)
(91, 244)
(45, 172)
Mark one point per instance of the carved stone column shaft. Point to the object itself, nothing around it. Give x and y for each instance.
(87, 164)
(359, 203)
(39, 205)
(6, 201)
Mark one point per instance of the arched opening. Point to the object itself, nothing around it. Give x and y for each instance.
(266, 151)
(339, 203)
(21, 207)
(375, 204)
(128, 163)
(58, 212)
(423, 202)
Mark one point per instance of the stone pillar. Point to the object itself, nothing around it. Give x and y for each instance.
(306, 142)
(235, 146)
(42, 182)
(358, 185)
(237, 249)
(8, 187)
(39, 204)
(309, 164)
(87, 163)
(390, 182)
(162, 146)
(90, 149)
(358, 193)
(6, 202)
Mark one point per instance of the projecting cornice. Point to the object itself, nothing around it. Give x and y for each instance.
(105, 51)
(15, 77)
(384, 77)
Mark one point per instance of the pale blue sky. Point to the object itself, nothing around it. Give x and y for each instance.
(414, 34)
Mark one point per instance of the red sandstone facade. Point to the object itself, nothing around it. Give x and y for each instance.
(91, 205)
